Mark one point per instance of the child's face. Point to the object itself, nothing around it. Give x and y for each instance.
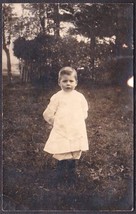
(68, 82)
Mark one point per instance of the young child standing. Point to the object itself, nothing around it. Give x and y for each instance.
(66, 113)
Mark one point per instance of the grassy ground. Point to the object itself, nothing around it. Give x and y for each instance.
(104, 172)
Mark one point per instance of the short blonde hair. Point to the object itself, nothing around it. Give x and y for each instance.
(68, 71)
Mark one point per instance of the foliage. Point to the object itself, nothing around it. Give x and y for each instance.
(95, 21)
(52, 53)
(8, 21)
(41, 17)
(29, 23)
(98, 21)
(31, 49)
(104, 20)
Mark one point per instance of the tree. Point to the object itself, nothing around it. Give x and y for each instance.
(41, 16)
(94, 21)
(46, 54)
(7, 23)
(97, 21)
(46, 19)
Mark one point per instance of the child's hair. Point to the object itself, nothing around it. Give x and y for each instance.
(68, 71)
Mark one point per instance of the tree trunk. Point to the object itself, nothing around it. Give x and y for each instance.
(8, 57)
(56, 20)
(8, 63)
(92, 55)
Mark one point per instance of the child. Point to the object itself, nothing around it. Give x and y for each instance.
(66, 113)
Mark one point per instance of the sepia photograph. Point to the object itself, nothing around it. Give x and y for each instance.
(68, 107)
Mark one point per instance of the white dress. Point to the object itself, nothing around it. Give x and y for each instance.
(67, 112)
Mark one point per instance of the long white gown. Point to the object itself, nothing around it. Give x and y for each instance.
(67, 112)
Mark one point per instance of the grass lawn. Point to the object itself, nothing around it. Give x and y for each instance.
(105, 172)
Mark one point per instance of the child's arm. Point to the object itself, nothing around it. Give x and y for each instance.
(50, 111)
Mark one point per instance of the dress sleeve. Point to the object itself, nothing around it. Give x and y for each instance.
(84, 107)
(49, 112)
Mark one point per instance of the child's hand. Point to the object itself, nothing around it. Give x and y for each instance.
(50, 126)
(51, 121)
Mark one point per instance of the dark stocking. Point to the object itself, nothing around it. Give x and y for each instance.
(61, 171)
(71, 167)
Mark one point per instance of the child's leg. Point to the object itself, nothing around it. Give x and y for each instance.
(61, 171)
(71, 168)
(67, 163)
